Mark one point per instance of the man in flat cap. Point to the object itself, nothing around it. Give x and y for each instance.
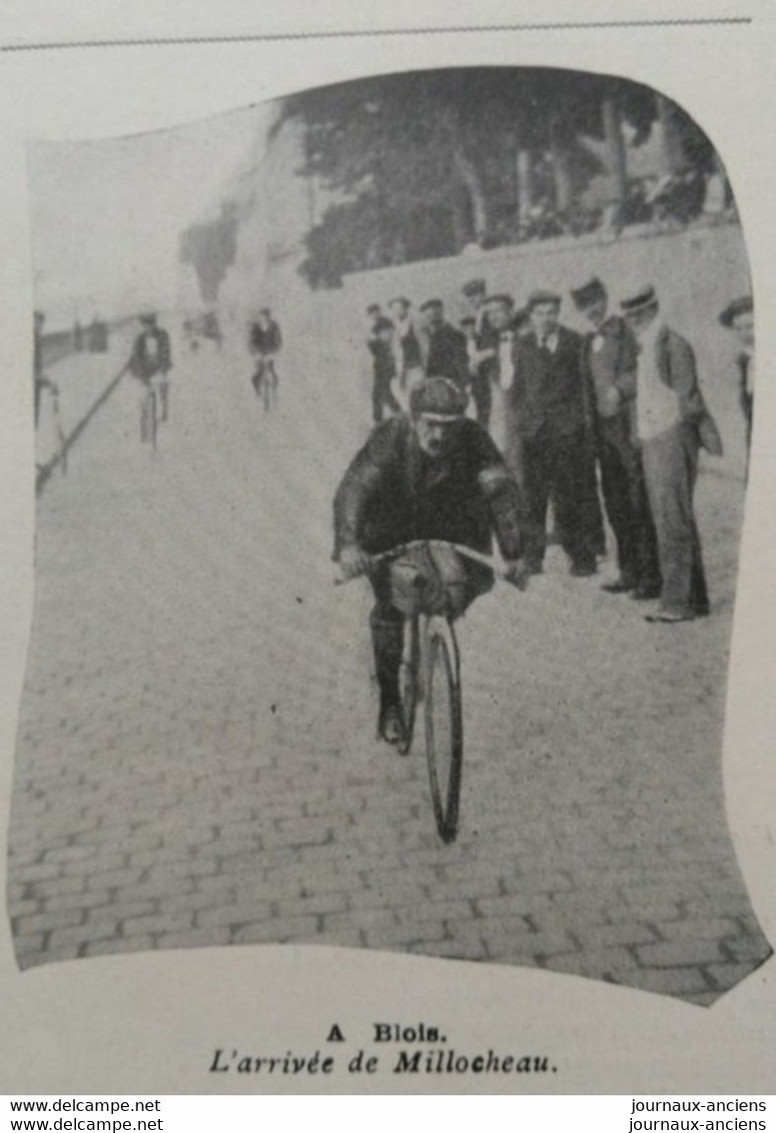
(547, 409)
(609, 357)
(406, 349)
(738, 317)
(433, 474)
(443, 345)
(672, 422)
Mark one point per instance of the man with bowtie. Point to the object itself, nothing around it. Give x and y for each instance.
(547, 415)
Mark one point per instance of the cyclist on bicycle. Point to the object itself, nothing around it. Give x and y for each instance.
(151, 360)
(434, 474)
(266, 341)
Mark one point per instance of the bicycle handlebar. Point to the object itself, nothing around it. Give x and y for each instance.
(465, 552)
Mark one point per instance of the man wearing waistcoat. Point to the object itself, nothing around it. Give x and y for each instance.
(672, 423)
(547, 408)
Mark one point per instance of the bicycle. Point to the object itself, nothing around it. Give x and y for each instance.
(149, 422)
(430, 671)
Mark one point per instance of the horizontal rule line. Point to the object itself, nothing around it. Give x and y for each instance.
(355, 34)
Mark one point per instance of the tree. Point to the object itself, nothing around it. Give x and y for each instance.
(427, 162)
(210, 248)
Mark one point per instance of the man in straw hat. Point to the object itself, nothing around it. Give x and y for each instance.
(434, 474)
(672, 423)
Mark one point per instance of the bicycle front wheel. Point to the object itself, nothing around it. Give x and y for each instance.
(444, 734)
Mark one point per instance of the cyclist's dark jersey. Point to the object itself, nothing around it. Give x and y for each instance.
(266, 340)
(150, 354)
(394, 493)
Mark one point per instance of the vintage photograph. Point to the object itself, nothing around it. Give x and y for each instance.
(391, 452)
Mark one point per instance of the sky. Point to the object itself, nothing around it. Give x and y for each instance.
(106, 215)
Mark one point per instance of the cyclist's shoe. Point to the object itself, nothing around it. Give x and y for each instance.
(389, 725)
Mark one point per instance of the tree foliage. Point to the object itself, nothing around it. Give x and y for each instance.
(424, 163)
(210, 248)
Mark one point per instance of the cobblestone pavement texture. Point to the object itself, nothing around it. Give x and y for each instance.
(196, 762)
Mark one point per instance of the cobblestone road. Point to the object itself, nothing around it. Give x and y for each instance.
(196, 762)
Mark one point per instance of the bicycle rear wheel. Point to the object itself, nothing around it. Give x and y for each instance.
(409, 673)
(444, 733)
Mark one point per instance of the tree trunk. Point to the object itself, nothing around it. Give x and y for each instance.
(460, 218)
(561, 171)
(617, 160)
(470, 177)
(673, 151)
(524, 169)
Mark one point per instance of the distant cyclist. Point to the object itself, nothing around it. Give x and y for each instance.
(151, 360)
(434, 474)
(266, 342)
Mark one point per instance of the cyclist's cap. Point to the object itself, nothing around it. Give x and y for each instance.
(383, 323)
(642, 300)
(432, 305)
(474, 287)
(540, 297)
(439, 399)
(743, 306)
(501, 297)
(588, 294)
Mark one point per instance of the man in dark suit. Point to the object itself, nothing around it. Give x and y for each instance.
(738, 316)
(443, 347)
(408, 363)
(672, 423)
(547, 408)
(609, 356)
